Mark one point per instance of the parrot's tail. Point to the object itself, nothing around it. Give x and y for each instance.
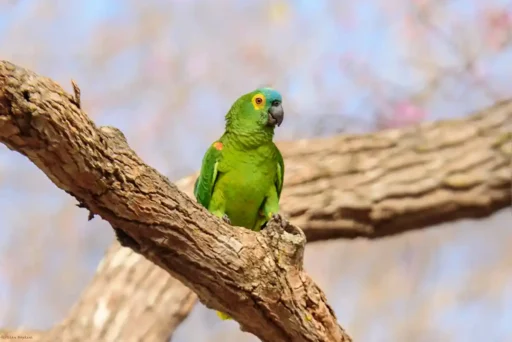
(223, 316)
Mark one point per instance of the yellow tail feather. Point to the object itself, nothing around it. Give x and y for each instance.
(223, 316)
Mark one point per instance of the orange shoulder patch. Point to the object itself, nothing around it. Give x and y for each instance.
(218, 145)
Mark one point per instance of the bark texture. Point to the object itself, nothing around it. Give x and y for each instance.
(343, 187)
(257, 278)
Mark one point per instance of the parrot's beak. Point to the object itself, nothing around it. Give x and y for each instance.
(275, 114)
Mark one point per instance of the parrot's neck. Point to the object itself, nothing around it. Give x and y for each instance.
(249, 139)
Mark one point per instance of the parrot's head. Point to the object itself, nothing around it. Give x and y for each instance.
(261, 109)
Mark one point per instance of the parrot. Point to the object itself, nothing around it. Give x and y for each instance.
(241, 175)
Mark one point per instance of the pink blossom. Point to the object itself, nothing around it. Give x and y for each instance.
(498, 27)
(402, 114)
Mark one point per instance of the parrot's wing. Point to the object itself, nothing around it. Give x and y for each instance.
(280, 173)
(203, 187)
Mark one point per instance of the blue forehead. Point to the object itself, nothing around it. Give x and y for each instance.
(271, 94)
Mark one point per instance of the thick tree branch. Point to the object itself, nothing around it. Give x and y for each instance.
(257, 278)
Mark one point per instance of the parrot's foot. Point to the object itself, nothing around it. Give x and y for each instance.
(285, 224)
(226, 219)
(278, 218)
(223, 316)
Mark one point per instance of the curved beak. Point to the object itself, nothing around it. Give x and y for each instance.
(275, 114)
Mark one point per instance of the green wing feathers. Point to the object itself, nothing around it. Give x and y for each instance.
(280, 173)
(203, 187)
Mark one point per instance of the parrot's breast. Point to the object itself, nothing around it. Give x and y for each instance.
(245, 181)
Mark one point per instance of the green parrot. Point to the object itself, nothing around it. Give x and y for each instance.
(242, 173)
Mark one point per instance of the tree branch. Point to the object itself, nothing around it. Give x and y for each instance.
(394, 181)
(257, 278)
(125, 302)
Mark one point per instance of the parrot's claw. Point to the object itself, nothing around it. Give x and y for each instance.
(226, 219)
(279, 219)
(284, 224)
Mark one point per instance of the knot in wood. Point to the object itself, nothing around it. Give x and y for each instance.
(287, 242)
(115, 136)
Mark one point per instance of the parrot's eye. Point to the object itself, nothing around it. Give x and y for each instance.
(258, 101)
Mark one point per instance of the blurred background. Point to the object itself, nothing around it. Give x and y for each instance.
(166, 71)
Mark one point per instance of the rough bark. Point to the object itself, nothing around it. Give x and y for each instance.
(257, 278)
(369, 186)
